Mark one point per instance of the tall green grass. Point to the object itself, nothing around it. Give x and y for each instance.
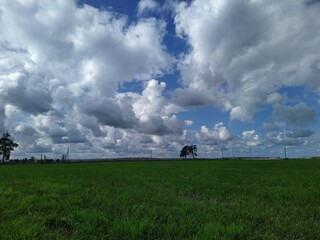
(161, 200)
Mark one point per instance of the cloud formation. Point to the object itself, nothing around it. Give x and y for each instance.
(147, 5)
(252, 138)
(289, 126)
(299, 114)
(243, 52)
(63, 72)
(188, 122)
(63, 67)
(220, 134)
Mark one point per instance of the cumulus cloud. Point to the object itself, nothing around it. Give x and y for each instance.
(252, 138)
(189, 97)
(30, 97)
(290, 137)
(154, 112)
(282, 139)
(60, 72)
(188, 122)
(26, 130)
(120, 142)
(149, 112)
(147, 5)
(270, 127)
(288, 128)
(151, 101)
(299, 133)
(111, 112)
(87, 51)
(57, 129)
(299, 114)
(274, 98)
(219, 134)
(243, 52)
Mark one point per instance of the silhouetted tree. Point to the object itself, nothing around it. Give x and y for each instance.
(189, 150)
(6, 146)
(184, 152)
(193, 150)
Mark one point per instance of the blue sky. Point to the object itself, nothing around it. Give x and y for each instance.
(127, 78)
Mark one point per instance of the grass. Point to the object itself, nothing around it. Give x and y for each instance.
(161, 200)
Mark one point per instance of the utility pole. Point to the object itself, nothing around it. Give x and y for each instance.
(285, 151)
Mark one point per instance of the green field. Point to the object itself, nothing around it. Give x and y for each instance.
(161, 200)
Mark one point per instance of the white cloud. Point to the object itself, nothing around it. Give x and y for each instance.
(188, 122)
(60, 72)
(151, 102)
(274, 98)
(86, 50)
(243, 52)
(241, 113)
(147, 5)
(154, 111)
(252, 138)
(219, 134)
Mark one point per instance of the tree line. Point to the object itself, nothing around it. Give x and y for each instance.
(7, 145)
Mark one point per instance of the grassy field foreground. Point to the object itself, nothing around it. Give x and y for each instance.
(161, 200)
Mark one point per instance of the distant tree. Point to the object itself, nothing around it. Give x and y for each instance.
(6, 146)
(193, 150)
(184, 152)
(189, 150)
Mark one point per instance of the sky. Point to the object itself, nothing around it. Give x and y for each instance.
(115, 78)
